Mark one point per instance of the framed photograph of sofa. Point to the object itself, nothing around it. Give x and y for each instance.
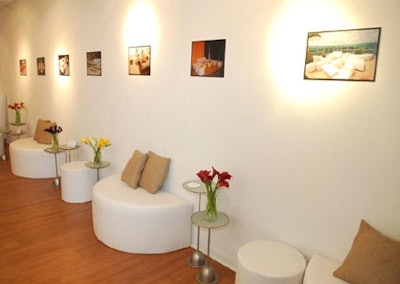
(63, 65)
(22, 67)
(41, 66)
(139, 60)
(93, 63)
(208, 58)
(350, 55)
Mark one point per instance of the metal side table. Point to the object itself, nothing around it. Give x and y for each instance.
(207, 274)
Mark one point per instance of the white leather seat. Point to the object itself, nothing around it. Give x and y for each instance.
(136, 221)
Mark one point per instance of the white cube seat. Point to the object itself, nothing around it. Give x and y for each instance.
(269, 262)
(77, 182)
(320, 270)
(136, 221)
(28, 159)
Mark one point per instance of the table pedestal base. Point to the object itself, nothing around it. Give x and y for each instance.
(56, 181)
(197, 259)
(207, 275)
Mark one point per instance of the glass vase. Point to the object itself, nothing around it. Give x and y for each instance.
(17, 117)
(54, 142)
(211, 207)
(97, 158)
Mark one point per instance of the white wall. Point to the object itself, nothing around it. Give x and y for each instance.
(309, 159)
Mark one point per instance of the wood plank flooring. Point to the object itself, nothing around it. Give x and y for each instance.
(46, 240)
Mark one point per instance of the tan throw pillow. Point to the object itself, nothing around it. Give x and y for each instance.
(133, 169)
(155, 172)
(40, 135)
(372, 259)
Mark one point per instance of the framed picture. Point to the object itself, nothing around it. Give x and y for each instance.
(139, 60)
(93, 63)
(22, 67)
(208, 58)
(63, 65)
(342, 55)
(41, 66)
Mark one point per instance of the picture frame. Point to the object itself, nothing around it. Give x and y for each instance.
(93, 63)
(22, 67)
(63, 65)
(349, 55)
(41, 66)
(139, 60)
(208, 58)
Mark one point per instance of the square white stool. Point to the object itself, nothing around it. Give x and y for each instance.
(269, 262)
(77, 182)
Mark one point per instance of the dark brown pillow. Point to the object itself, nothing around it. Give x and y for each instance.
(154, 173)
(133, 169)
(372, 259)
(40, 135)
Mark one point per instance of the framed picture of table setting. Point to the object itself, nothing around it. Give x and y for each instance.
(139, 60)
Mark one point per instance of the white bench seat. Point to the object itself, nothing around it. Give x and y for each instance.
(28, 159)
(136, 221)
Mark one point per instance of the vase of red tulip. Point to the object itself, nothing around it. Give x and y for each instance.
(17, 107)
(207, 177)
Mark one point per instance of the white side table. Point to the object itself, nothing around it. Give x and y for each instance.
(271, 262)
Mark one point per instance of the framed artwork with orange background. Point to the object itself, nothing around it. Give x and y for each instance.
(208, 58)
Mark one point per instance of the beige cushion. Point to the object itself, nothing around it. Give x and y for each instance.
(372, 259)
(133, 169)
(154, 173)
(40, 135)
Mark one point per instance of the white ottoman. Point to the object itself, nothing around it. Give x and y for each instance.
(28, 159)
(269, 262)
(77, 182)
(320, 270)
(136, 221)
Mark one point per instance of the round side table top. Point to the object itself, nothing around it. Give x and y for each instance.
(103, 164)
(195, 186)
(69, 148)
(51, 150)
(199, 218)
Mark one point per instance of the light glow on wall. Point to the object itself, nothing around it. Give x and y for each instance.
(290, 49)
(141, 26)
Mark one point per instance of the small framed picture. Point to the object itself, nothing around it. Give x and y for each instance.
(208, 58)
(22, 67)
(349, 55)
(93, 63)
(139, 60)
(63, 65)
(41, 66)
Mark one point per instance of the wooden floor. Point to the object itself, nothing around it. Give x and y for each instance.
(46, 240)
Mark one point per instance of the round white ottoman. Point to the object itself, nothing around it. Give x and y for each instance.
(77, 182)
(269, 262)
(136, 221)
